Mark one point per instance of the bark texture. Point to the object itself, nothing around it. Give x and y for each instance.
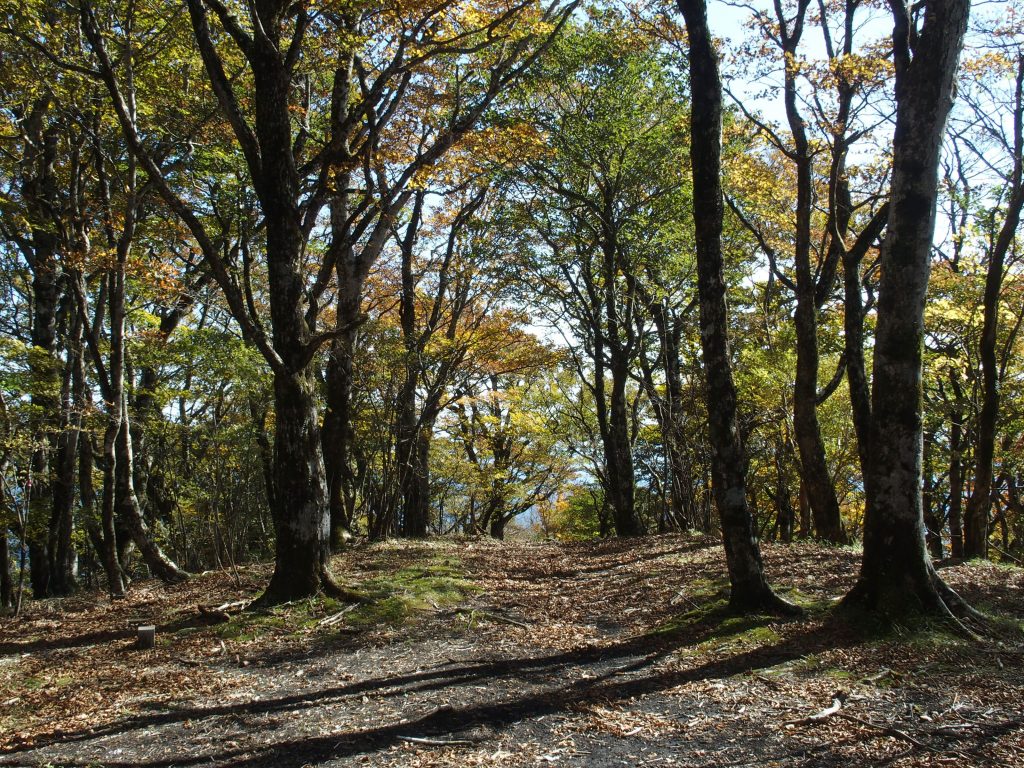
(750, 590)
(897, 577)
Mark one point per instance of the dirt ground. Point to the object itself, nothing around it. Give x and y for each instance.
(469, 653)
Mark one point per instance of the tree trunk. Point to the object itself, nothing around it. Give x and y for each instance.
(497, 527)
(337, 430)
(932, 522)
(116, 580)
(62, 549)
(300, 515)
(750, 590)
(619, 456)
(896, 577)
(129, 511)
(980, 504)
(786, 516)
(956, 476)
(6, 583)
(415, 484)
(853, 349)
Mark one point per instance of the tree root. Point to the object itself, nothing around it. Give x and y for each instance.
(766, 601)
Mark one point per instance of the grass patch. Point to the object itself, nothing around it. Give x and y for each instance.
(391, 598)
(713, 625)
(394, 598)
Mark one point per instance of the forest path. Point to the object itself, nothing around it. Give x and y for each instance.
(481, 653)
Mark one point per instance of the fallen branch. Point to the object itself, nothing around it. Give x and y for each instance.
(817, 717)
(436, 742)
(230, 606)
(337, 617)
(888, 730)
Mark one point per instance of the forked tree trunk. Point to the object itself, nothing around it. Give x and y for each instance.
(896, 577)
(750, 590)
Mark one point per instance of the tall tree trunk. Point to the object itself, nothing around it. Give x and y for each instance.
(896, 577)
(6, 583)
(618, 446)
(130, 513)
(932, 521)
(853, 350)
(338, 429)
(301, 522)
(821, 493)
(62, 549)
(783, 503)
(750, 590)
(980, 504)
(619, 455)
(956, 474)
(39, 190)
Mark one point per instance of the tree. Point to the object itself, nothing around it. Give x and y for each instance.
(750, 590)
(897, 578)
(604, 204)
(356, 114)
(1000, 241)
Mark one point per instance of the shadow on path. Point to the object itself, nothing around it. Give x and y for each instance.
(610, 683)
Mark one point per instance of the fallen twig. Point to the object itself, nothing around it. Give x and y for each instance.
(336, 617)
(232, 605)
(436, 742)
(887, 729)
(817, 717)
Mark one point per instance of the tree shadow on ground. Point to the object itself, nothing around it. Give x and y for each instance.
(616, 672)
(68, 642)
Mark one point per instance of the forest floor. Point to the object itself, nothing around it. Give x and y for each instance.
(473, 652)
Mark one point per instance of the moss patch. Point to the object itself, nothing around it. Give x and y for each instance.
(394, 598)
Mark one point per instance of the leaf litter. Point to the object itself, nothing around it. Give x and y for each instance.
(473, 652)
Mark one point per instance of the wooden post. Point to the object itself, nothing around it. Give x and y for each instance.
(146, 637)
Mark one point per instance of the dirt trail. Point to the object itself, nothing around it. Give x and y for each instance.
(606, 654)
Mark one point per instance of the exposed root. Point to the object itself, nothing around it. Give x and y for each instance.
(932, 600)
(764, 602)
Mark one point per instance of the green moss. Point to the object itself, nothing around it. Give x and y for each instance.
(391, 597)
(713, 626)
(396, 597)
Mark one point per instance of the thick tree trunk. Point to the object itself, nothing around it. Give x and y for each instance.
(619, 456)
(750, 590)
(497, 526)
(301, 522)
(897, 578)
